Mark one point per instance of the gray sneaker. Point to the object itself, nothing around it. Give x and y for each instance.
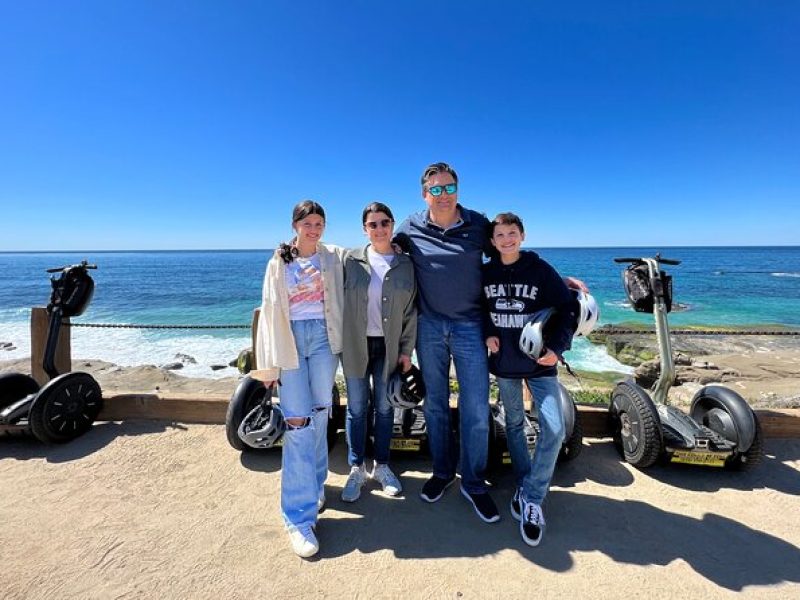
(388, 480)
(355, 481)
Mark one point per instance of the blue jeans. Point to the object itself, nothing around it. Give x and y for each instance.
(306, 392)
(439, 339)
(533, 475)
(358, 395)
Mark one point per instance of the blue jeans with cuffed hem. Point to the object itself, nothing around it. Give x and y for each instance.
(305, 392)
(533, 475)
(438, 340)
(358, 396)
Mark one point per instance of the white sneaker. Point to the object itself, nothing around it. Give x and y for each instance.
(355, 481)
(389, 482)
(304, 542)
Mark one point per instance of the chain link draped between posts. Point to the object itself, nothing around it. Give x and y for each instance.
(605, 329)
(134, 326)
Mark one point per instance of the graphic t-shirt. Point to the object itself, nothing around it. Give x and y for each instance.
(306, 292)
(379, 264)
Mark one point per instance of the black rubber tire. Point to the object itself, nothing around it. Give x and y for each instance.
(65, 408)
(494, 457)
(727, 413)
(754, 455)
(635, 425)
(15, 386)
(247, 395)
(574, 443)
(337, 417)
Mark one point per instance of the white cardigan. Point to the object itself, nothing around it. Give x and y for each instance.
(275, 346)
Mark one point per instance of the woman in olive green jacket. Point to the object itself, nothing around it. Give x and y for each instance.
(379, 332)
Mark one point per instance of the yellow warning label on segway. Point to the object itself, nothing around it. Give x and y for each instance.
(404, 444)
(706, 459)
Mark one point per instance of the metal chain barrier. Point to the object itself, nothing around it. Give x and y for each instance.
(605, 329)
(132, 326)
(613, 330)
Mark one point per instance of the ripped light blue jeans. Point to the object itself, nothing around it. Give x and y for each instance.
(533, 475)
(306, 392)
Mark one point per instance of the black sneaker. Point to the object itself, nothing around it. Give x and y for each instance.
(531, 527)
(483, 505)
(516, 509)
(434, 488)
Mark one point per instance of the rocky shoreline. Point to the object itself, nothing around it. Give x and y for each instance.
(764, 369)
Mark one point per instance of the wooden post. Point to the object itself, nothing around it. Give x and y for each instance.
(40, 321)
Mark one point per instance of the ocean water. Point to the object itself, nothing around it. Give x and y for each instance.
(717, 286)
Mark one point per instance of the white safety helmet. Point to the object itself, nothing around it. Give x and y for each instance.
(588, 313)
(531, 338)
(263, 426)
(406, 390)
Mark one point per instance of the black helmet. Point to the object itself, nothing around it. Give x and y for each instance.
(406, 390)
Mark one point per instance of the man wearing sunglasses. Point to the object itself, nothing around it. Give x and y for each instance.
(446, 243)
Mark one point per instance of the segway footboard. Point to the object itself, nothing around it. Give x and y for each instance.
(409, 431)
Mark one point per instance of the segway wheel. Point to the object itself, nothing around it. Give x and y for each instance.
(65, 408)
(247, 395)
(635, 425)
(15, 386)
(725, 412)
(574, 443)
(336, 419)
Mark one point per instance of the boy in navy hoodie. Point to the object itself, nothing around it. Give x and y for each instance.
(516, 284)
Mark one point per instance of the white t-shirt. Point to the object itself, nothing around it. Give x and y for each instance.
(306, 291)
(379, 264)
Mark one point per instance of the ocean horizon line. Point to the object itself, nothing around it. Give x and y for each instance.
(243, 250)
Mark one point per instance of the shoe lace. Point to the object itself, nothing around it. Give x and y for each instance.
(533, 514)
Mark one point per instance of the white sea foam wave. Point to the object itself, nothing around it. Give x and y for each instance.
(789, 274)
(131, 347)
(591, 357)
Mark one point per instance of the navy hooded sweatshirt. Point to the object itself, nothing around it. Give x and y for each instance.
(511, 294)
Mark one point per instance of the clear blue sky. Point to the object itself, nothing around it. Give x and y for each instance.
(189, 124)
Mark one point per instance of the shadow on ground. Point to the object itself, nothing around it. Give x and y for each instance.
(26, 447)
(724, 551)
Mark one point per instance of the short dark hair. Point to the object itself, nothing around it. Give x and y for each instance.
(506, 218)
(305, 208)
(375, 207)
(439, 167)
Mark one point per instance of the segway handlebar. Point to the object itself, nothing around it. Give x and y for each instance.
(666, 261)
(82, 265)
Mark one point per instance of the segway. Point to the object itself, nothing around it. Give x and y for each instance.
(406, 393)
(721, 430)
(66, 406)
(573, 431)
(254, 420)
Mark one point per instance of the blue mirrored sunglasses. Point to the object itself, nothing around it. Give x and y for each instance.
(436, 190)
